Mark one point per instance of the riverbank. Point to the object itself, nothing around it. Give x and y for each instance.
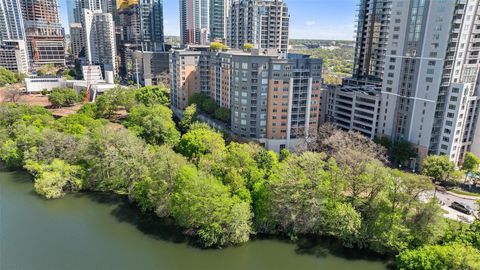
(105, 231)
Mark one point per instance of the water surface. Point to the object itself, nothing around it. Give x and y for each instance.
(95, 231)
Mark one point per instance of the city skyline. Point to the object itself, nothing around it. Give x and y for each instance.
(335, 22)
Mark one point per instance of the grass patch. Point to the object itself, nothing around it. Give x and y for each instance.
(463, 192)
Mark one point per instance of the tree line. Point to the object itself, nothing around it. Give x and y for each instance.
(222, 193)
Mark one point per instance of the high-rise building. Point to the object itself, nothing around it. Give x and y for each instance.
(190, 70)
(76, 32)
(371, 42)
(273, 99)
(150, 67)
(194, 22)
(429, 92)
(44, 32)
(152, 25)
(243, 23)
(128, 28)
(14, 56)
(219, 10)
(13, 51)
(99, 33)
(274, 25)
(77, 41)
(262, 23)
(11, 20)
(354, 107)
(77, 6)
(80, 5)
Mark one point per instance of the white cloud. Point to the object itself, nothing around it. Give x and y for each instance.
(310, 23)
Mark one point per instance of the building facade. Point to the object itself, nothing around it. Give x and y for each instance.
(190, 71)
(11, 20)
(429, 92)
(274, 25)
(354, 108)
(219, 10)
(99, 33)
(14, 56)
(151, 17)
(194, 22)
(243, 23)
(371, 40)
(273, 99)
(263, 23)
(44, 32)
(150, 67)
(13, 50)
(77, 41)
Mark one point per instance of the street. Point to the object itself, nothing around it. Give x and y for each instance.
(446, 199)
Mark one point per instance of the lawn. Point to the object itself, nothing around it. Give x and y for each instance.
(463, 192)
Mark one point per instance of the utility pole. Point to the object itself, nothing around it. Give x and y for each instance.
(136, 68)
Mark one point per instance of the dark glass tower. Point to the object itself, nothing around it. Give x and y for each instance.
(152, 25)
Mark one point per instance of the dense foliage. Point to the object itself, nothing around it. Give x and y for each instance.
(217, 46)
(154, 124)
(8, 77)
(124, 98)
(208, 106)
(454, 256)
(62, 97)
(47, 70)
(439, 168)
(220, 194)
(399, 152)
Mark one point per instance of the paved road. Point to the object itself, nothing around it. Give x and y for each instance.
(449, 198)
(446, 199)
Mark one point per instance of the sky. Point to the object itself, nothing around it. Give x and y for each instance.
(310, 19)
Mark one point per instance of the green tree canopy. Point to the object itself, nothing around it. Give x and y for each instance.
(154, 124)
(78, 124)
(204, 206)
(55, 179)
(248, 46)
(7, 77)
(451, 256)
(217, 46)
(153, 190)
(62, 97)
(153, 95)
(115, 158)
(113, 100)
(438, 168)
(200, 141)
(189, 117)
(48, 69)
(470, 162)
(222, 114)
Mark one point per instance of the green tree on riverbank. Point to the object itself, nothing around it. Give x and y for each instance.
(217, 192)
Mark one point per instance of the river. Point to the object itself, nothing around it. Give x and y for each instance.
(95, 231)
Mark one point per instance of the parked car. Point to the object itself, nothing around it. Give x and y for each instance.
(461, 208)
